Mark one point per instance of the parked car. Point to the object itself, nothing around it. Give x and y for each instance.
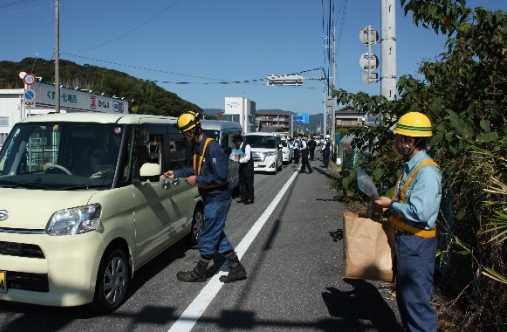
(83, 206)
(266, 151)
(223, 132)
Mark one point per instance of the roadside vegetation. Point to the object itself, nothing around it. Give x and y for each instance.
(465, 95)
(144, 97)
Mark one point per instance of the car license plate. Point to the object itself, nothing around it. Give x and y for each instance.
(3, 282)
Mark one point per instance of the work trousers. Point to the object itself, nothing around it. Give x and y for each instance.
(312, 153)
(305, 164)
(212, 238)
(415, 263)
(325, 157)
(246, 182)
(296, 156)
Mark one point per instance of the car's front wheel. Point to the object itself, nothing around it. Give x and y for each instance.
(197, 222)
(112, 280)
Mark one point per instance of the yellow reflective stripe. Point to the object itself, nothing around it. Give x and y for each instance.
(402, 226)
(395, 220)
(198, 159)
(411, 177)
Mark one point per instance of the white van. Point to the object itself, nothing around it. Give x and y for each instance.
(266, 151)
(223, 132)
(82, 206)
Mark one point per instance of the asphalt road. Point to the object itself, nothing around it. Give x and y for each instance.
(294, 282)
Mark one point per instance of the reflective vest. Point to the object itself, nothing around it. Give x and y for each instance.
(198, 158)
(395, 220)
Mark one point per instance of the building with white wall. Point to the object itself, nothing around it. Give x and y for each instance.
(241, 110)
(18, 104)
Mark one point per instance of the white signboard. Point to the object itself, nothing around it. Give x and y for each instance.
(372, 78)
(74, 100)
(368, 36)
(284, 80)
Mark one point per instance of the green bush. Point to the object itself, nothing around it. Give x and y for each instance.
(465, 95)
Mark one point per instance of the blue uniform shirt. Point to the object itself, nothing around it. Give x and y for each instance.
(423, 197)
(212, 182)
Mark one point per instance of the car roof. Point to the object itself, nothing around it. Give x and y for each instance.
(219, 125)
(104, 118)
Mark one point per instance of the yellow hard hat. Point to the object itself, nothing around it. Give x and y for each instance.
(187, 121)
(414, 124)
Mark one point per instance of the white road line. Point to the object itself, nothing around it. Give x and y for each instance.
(195, 310)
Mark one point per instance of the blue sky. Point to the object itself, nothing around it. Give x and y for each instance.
(217, 39)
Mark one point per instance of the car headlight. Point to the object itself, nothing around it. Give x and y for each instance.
(76, 220)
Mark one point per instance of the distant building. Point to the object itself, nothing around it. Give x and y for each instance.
(241, 110)
(347, 117)
(275, 121)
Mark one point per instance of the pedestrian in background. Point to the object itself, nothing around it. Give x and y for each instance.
(311, 147)
(209, 173)
(305, 164)
(326, 151)
(297, 150)
(414, 209)
(243, 155)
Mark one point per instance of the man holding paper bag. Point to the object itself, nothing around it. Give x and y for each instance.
(414, 209)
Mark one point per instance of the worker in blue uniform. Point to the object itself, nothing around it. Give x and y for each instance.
(209, 173)
(414, 211)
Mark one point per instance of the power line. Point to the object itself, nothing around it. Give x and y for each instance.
(139, 67)
(214, 80)
(342, 17)
(121, 36)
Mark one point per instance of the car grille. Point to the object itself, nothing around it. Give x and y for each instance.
(257, 156)
(27, 281)
(20, 249)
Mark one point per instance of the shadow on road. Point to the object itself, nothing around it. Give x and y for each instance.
(324, 171)
(362, 303)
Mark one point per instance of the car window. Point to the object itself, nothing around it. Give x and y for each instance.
(148, 145)
(178, 152)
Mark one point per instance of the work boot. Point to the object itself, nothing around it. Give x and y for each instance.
(236, 270)
(198, 274)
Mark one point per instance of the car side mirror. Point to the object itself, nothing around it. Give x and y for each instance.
(150, 170)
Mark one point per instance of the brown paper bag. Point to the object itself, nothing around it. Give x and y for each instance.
(368, 252)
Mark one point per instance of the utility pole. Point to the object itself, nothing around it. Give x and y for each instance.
(332, 99)
(389, 74)
(57, 55)
(329, 126)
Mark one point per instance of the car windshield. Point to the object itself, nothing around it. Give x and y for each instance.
(267, 142)
(60, 156)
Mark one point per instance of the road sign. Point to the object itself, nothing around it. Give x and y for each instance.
(368, 61)
(368, 35)
(284, 80)
(302, 118)
(29, 79)
(29, 97)
(372, 78)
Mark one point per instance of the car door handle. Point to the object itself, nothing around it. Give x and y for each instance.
(167, 183)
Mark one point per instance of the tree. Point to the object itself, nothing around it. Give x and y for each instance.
(465, 95)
